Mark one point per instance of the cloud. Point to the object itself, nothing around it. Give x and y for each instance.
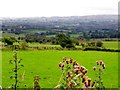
(38, 8)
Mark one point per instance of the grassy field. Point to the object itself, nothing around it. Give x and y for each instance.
(45, 64)
(111, 45)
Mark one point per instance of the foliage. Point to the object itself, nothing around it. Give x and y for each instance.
(64, 41)
(17, 65)
(100, 49)
(9, 40)
(99, 44)
(36, 82)
(99, 72)
(23, 45)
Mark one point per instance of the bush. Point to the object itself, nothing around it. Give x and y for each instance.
(23, 45)
(99, 44)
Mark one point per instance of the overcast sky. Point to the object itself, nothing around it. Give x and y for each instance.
(48, 8)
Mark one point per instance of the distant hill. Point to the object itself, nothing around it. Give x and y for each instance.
(78, 23)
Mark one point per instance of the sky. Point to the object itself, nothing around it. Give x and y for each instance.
(48, 8)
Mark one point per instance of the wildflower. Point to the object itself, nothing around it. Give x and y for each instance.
(97, 63)
(101, 62)
(89, 80)
(94, 68)
(69, 74)
(103, 66)
(86, 84)
(82, 74)
(71, 85)
(71, 60)
(67, 61)
(83, 79)
(76, 71)
(99, 69)
(60, 64)
(74, 63)
(93, 84)
(86, 71)
(78, 83)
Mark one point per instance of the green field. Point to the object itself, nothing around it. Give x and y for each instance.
(111, 45)
(45, 64)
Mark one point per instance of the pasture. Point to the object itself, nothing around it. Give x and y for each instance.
(45, 64)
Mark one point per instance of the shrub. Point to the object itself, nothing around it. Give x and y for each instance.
(99, 44)
(23, 45)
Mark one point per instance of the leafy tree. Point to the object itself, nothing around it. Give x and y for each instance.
(99, 44)
(64, 41)
(9, 40)
(23, 45)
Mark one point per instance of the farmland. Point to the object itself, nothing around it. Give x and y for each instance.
(41, 43)
(45, 64)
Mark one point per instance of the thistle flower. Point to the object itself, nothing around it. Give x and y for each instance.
(99, 69)
(93, 84)
(78, 83)
(74, 63)
(60, 64)
(71, 60)
(97, 63)
(76, 71)
(71, 85)
(89, 80)
(86, 84)
(67, 61)
(83, 79)
(94, 68)
(101, 62)
(86, 71)
(69, 74)
(103, 66)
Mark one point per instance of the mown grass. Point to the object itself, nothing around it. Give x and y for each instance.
(45, 64)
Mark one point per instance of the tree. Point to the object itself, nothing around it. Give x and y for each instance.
(99, 44)
(23, 45)
(9, 40)
(64, 41)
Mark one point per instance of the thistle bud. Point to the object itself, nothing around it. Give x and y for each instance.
(101, 62)
(89, 80)
(86, 71)
(74, 63)
(76, 71)
(86, 84)
(67, 61)
(71, 85)
(94, 68)
(93, 84)
(60, 64)
(83, 79)
(97, 63)
(71, 60)
(69, 74)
